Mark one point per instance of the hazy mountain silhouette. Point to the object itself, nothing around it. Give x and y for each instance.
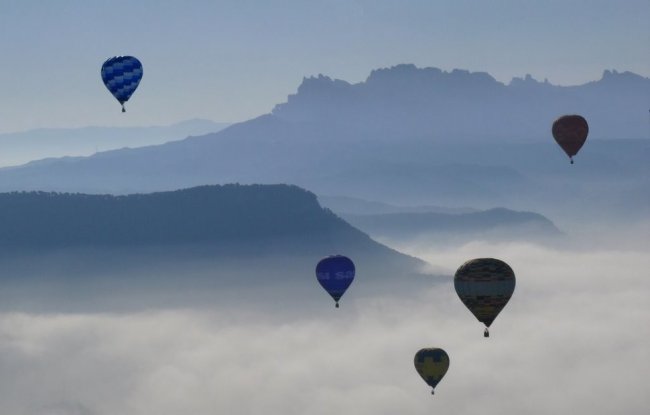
(492, 224)
(345, 205)
(406, 136)
(462, 225)
(406, 100)
(231, 218)
(22, 147)
(192, 246)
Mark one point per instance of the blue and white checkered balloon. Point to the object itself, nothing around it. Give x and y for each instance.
(121, 75)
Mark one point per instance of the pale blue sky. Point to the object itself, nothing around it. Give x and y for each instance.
(233, 60)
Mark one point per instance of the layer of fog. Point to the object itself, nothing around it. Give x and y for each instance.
(575, 235)
(25, 146)
(574, 338)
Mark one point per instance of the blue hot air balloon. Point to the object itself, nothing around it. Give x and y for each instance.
(335, 273)
(121, 75)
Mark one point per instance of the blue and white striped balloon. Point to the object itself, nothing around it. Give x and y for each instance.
(121, 75)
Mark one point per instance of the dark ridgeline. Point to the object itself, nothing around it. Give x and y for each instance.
(231, 243)
(226, 220)
(220, 215)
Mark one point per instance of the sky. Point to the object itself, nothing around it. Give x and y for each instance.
(232, 60)
(574, 338)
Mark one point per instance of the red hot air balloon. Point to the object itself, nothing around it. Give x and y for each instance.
(570, 132)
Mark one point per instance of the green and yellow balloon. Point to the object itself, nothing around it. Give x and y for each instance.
(431, 364)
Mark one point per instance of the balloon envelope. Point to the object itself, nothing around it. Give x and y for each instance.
(335, 274)
(485, 285)
(431, 364)
(122, 75)
(570, 132)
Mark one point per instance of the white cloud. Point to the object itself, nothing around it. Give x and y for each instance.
(574, 339)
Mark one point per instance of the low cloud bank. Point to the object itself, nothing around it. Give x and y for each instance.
(574, 339)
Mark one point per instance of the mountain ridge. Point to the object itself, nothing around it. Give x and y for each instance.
(491, 224)
(228, 244)
(615, 105)
(231, 219)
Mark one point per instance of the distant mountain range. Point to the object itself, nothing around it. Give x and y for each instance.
(441, 224)
(430, 103)
(446, 228)
(405, 136)
(22, 147)
(345, 205)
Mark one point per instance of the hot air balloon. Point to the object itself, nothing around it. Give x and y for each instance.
(570, 132)
(485, 285)
(335, 273)
(121, 75)
(431, 364)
